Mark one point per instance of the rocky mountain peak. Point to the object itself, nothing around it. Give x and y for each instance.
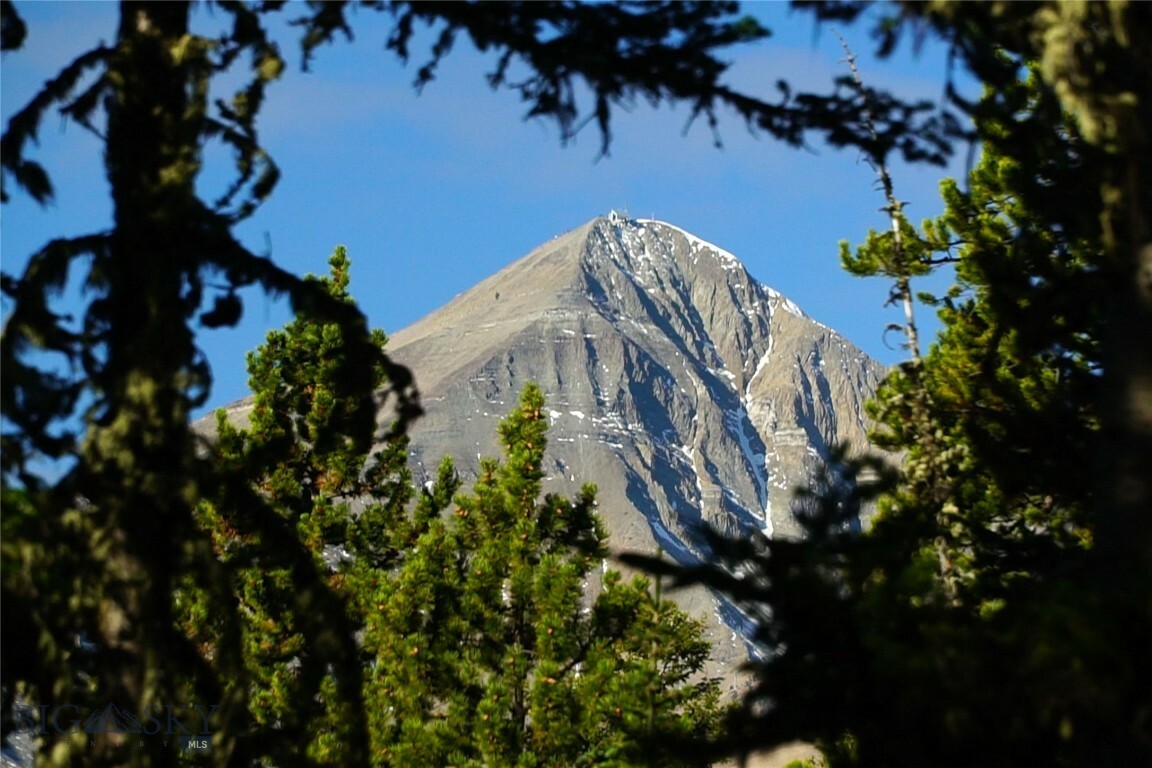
(684, 388)
(658, 351)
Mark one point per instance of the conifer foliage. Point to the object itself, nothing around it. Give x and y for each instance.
(307, 458)
(491, 652)
(479, 641)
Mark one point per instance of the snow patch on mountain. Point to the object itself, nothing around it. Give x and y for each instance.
(696, 242)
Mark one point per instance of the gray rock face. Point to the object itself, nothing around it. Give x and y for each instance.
(686, 390)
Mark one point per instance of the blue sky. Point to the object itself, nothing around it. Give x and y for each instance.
(433, 192)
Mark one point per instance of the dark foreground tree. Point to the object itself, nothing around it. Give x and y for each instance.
(968, 625)
(479, 642)
(1046, 381)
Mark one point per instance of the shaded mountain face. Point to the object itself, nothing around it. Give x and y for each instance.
(685, 389)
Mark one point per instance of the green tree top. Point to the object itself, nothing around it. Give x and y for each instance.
(509, 659)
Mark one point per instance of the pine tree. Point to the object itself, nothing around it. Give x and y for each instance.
(307, 457)
(493, 653)
(1013, 373)
(974, 599)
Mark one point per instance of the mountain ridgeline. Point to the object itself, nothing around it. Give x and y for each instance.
(685, 389)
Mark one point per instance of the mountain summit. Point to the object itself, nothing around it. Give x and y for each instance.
(685, 389)
(675, 380)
